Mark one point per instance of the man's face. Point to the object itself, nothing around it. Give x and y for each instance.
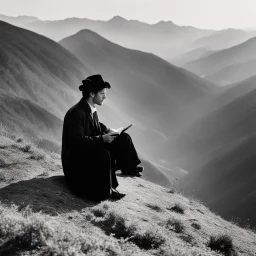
(99, 97)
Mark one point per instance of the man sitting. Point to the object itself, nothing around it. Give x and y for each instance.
(90, 152)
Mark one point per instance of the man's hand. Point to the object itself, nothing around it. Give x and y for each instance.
(108, 138)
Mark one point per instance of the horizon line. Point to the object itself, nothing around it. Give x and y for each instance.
(106, 20)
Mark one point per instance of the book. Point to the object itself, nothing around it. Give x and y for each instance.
(120, 130)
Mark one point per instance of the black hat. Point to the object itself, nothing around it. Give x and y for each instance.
(94, 83)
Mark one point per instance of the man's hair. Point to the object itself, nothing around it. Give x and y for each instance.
(94, 83)
(86, 93)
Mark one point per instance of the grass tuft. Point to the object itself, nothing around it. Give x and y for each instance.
(118, 225)
(176, 225)
(186, 238)
(148, 240)
(3, 164)
(223, 244)
(37, 154)
(178, 208)
(98, 212)
(19, 140)
(154, 207)
(196, 226)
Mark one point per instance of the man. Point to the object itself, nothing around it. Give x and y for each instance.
(90, 152)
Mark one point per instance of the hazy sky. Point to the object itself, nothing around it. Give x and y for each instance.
(214, 14)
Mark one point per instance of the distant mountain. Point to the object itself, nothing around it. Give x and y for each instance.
(222, 153)
(156, 94)
(189, 56)
(197, 144)
(19, 20)
(160, 38)
(224, 39)
(234, 73)
(38, 69)
(216, 62)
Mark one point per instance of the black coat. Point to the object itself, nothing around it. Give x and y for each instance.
(86, 163)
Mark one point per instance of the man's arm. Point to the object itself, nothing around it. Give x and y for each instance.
(79, 130)
(104, 128)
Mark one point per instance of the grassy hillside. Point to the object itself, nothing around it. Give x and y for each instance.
(39, 215)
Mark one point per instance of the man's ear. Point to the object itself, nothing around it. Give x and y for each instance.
(92, 94)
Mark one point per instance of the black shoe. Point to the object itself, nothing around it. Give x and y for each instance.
(132, 173)
(139, 168)
(116, 195)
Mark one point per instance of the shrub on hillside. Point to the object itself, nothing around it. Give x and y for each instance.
(20, 140)
(177, 208)
(113, 223)
(3, 164)
(100, 211)
(196, 226)
(176, 225)
(37, 154)
(150, 239)
(223, 244)
(186, 238)
(154, 207)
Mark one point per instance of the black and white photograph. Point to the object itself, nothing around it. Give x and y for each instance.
(128, 128)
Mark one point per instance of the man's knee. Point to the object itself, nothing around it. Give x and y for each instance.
(125, 136)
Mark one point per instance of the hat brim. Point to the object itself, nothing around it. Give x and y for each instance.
(89, 86)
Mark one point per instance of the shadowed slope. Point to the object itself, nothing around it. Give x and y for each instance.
(29, 119)
(36, 68)
(50, 195)
(220, 152)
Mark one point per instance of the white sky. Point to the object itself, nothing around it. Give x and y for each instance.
(212, 14)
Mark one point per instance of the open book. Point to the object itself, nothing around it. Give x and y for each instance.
(120, 130)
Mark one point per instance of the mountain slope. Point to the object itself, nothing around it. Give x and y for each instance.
(219, 60)
(190, 56)
(156, 94)
(144, 222)
(38, 69)
(29, 119)
(223, 39)
(234, 73)
(220, 151)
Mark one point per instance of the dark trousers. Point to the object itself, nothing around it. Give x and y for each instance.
(123, 153)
